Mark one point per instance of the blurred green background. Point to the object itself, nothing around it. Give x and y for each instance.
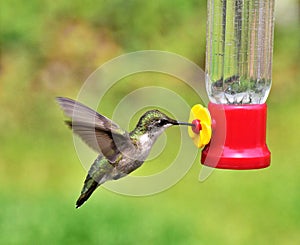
(48, 48)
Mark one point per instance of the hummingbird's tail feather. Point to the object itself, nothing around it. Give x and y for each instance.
(86, 193)
(98, 174)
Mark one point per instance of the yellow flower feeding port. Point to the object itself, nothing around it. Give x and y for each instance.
(201, 132)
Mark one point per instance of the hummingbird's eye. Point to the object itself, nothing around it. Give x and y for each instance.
(161, 122)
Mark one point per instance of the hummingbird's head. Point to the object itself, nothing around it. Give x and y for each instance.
(154, 122)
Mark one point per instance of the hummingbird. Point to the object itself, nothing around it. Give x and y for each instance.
(120, 152)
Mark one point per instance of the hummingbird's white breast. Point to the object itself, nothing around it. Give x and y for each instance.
(145, 140)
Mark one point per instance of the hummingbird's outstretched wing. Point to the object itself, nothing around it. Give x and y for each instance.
(97, 131)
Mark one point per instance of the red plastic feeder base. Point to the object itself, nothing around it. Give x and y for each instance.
(238, 138)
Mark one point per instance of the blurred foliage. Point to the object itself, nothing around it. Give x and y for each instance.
(48, 48)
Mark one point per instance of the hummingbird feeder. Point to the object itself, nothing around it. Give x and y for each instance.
(238, 80)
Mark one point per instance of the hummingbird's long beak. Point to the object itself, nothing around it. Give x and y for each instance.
(183, 123)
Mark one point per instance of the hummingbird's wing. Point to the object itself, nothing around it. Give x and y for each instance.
(97, 131)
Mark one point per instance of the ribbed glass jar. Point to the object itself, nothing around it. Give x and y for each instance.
(239, 51)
